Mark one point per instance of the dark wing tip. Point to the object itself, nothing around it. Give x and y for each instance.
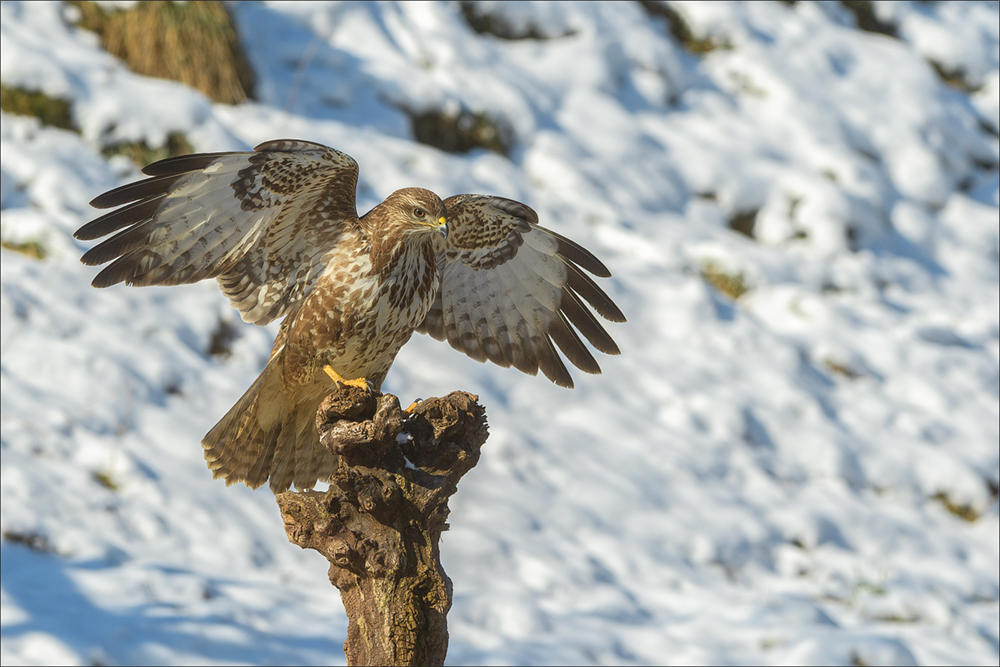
(559, 378)
(112, 275)
(515, 209)
(581, 317)
(145, 189)
(133, 214)
(549, 361)
(576, 253)
(90, 259)
(581, 283)
(181, 164)
(106, 199)
(101, 282)
(564, 380)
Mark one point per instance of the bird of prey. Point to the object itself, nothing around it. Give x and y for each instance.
(278, 229)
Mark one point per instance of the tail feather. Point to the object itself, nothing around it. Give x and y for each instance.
(260, 439)
(283, 470)
(314, 461)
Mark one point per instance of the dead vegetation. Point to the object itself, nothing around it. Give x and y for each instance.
(32, 540)
(51, 111)
(730, 284)
(680, 30)
(34, 249)
(191, 42)
(954, 77)
(964, 512)
(462, 132)
(488, 23)
(744, 222)
(142, 154)
(223, 337)
(866, 19)
(841, 369)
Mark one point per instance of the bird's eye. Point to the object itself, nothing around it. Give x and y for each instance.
(419, 212)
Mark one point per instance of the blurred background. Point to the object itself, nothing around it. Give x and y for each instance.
(793, 461)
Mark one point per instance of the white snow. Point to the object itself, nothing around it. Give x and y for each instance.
(758, 481)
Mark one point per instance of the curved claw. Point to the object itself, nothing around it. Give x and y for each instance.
(360, 383)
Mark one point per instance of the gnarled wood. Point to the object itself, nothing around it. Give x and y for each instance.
(380, 521)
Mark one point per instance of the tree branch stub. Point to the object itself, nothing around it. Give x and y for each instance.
(380, 521)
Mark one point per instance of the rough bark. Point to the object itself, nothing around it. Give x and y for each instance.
(380, 521)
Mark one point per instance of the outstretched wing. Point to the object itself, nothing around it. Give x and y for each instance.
(262, 223)
(510, 289)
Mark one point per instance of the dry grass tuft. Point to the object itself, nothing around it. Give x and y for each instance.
(221, 343)
(956, 78)
(192, 42)
(732, 285)
(867, 19)
(485, 23)
(463, 132)
(33, 249)
(141, 154)
(107, 481)
(744, 222)
(50, 110)
(966, 512)
(841, 369)
(680, 30)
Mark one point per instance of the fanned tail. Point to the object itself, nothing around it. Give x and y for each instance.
(260, 438)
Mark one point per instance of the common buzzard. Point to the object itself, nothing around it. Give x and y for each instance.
(278, 229)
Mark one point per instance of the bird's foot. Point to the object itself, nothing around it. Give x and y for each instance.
(413, 405)
(360, 383)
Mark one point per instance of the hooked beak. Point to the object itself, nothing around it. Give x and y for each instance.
(443, 227)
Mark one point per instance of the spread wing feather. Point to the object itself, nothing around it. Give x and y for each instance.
(511, 291)
(263, 223)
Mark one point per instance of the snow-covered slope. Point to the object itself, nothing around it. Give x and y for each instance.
(772, 480)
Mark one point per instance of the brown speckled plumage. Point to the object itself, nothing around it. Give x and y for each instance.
(278, 229)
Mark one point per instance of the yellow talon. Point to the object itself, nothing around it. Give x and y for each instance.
(413, 405)
(360, 383)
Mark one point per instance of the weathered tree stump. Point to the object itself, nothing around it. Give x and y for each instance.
(380, 521)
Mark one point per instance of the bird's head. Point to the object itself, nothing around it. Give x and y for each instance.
(416, 210)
